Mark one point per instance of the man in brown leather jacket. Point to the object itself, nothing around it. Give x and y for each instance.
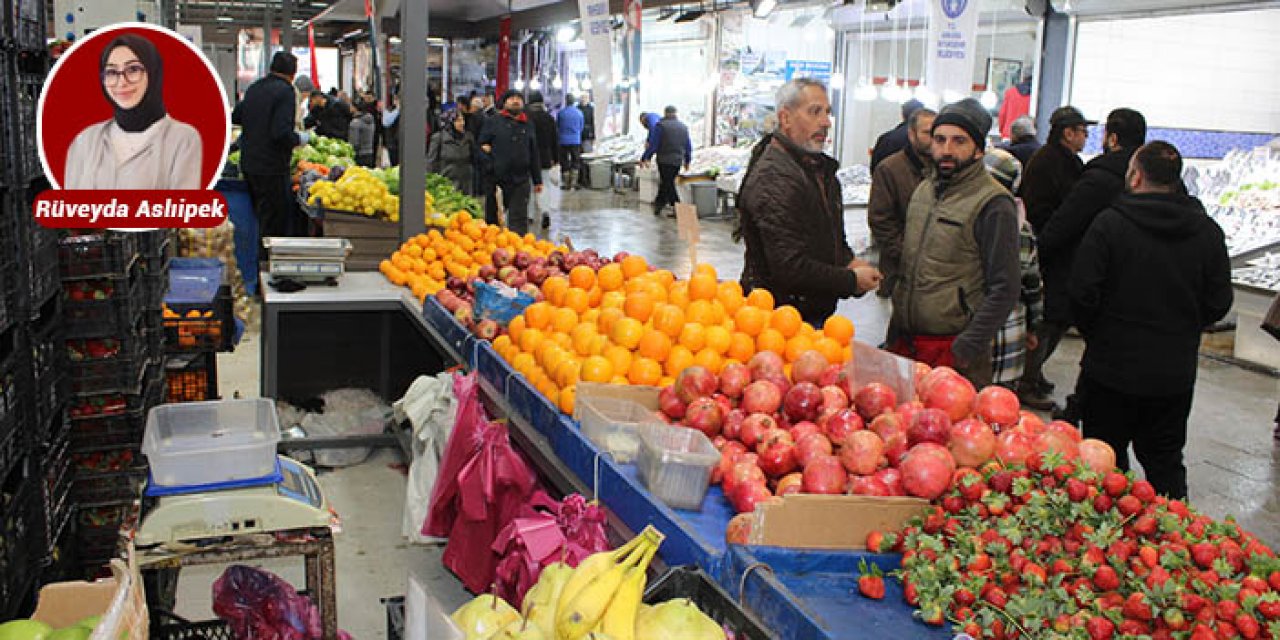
(892, 183)
(792, 212)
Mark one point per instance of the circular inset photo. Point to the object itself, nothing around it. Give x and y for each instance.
(133, 106)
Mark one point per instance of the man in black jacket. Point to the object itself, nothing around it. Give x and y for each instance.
(329, 116)
(670, 144)
(1022, 140)
(267, 138)
(1047, 178)
(544, 126)
(1102, 181)
(510, 149)
(895, 139)
(792, 214)
(1150, 274)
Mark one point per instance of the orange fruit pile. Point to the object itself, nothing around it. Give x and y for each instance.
(425, 262)
(626, 324)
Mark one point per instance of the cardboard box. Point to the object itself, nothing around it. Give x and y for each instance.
(829, 521)
(119, 600)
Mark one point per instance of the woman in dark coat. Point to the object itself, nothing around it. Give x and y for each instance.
(452, 152)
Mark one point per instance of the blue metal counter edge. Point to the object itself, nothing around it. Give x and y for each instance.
(814, 594)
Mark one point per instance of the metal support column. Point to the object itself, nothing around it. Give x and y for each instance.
(413, 116)
(286, 25)
(1054, 70)
(267, 51)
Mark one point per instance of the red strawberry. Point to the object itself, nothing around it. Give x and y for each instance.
(1174, 619)
(997, 597)
(932, 616)
(964, 597)
(1128, 505)
(1143, 491)
(1149, 556)
(1269, 607)
(911, 593)
(1227, 609)
(1061, 566)
(1102, 503)
(1033, 573)
(1247, 625)
(1134, 628)
(1203, 554)
(953, 504)
(1100, 628)
(874, 540)
(1227, 630)
(979, 563)
(871, 586)
(1145, 526)
(1273, 579)
(1158, 576)
(1077, 490)
(1202, 632)
(972, 629)
(1062, 623)
(1136, 607)
(1106, 579)
(1115, 484)
(1193, 602)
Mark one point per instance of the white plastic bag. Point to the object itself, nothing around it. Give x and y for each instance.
(429, 406)
(347, 412)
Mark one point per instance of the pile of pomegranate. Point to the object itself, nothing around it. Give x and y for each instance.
(813, 432)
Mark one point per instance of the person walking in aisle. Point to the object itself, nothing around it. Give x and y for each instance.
(360, 134)
(588, 122)
(895, 139)
(1023, 142)
(669, 142)
(329, 116)
(1150, 274)
(1102, 181)
(569, 121)
(892, 184)
(267, 137)
(544, 126)
(960, 268)
(453, 151)
(509, 149)
(1018, 336)
(1047, 178)
(792, 214)
(391, 130)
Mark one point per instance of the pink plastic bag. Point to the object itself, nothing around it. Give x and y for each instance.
(464, 441)
(553, 532)
(258, 605)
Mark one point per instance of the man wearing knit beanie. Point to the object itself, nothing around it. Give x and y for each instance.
(960, 265)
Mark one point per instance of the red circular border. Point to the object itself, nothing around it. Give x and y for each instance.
(73, 97)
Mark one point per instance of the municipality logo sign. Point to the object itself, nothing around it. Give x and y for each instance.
(953, 8)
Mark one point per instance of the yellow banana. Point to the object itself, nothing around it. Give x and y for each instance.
(587, 570)
(588, 606)
(619, 620)
(541, 600)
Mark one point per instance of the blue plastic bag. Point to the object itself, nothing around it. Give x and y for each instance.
(499, 302)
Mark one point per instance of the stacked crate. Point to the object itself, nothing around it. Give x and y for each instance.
(114, 378)
(29, 315)
(199, 322)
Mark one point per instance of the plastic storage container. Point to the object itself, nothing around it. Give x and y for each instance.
(706, 197)
(211, 442)
(675, 464)
(613, 425)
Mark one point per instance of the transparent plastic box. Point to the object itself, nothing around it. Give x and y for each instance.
(198, 443)
(675, 464)
(611, 423)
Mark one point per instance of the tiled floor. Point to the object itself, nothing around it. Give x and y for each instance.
(1231, 458)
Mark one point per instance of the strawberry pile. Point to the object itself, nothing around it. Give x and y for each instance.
(1056, 550)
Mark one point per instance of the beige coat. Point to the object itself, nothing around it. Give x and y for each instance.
(170, 160)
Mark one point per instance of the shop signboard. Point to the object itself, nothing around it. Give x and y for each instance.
(597, 33)
(953, 32)
(632, 19)
(819, 70)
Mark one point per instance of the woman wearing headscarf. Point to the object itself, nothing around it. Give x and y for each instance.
(140, 147)
(452, 151)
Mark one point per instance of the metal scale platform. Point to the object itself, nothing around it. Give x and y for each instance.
(289, 499)
(308, 259)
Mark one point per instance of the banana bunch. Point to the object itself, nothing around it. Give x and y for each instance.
(603, 593)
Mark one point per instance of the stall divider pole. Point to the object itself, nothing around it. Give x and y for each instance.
(413, 117)
(286, 25)
(265, 63)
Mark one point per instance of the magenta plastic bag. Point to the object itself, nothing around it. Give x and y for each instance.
(546, 531)
(464, 441)
(258, 605)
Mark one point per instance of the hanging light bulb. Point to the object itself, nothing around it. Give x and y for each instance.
(989, 99)
(926, 96)
(890, 90)
(535, 85)
(557, 83)
(519, 85)
(837, 80)
(865, 91)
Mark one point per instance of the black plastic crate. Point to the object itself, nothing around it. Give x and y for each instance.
(152, 339)
(48, 362)
(201, 327)
(21, 534)
(115, 312)
(43, 279)
(13, 446)
(98, 530)
(20, 107)
(395, 617)
(24, 24)
(154, 287)
(185, 630)
(98, 255)
(12, 372)
(107, 488)
(124, 429)
(97, 365)
(690, 582)
(191, 377)
(55, 492)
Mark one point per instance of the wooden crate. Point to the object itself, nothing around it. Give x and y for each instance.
(372, 240)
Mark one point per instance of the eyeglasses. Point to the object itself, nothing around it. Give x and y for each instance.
(131, 74)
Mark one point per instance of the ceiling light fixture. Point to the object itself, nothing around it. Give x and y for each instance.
(224, 18)
(762, 8)
(519, 85)
(557, 83)
(691, 15)
(566, 34)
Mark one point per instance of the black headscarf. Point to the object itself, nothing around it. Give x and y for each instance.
(151, 107)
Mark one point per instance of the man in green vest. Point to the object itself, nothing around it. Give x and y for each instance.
(960, 267)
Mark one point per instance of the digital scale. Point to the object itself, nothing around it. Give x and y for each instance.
(288, 499)
(307, 259)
